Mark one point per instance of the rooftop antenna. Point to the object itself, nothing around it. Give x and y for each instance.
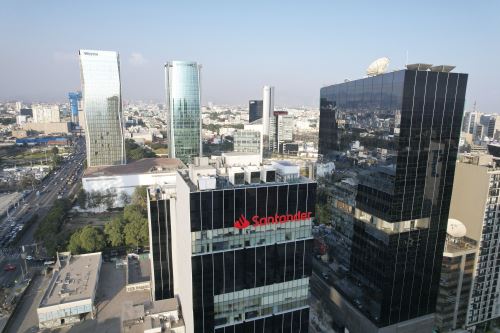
(406, 58)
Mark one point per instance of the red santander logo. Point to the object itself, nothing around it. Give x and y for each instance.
(243, 223)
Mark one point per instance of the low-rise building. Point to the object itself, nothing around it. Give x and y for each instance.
(456, 278)
(152, 317)
(43, 113)
(70, 296)
(138, 272)
(122, 180)
(48, 127)
(247, 141)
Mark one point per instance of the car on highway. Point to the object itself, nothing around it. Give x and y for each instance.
(29, 258)
(9, 268)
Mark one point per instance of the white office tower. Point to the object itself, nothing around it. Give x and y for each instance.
(268, 107)
(45, 113)
(102, 104)
(280, 129)
(469, 122)
(247, 141)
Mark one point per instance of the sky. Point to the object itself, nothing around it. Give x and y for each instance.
(296, 46)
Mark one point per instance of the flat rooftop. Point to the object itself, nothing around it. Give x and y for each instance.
(459, 246)
(222, 181)
(145, 165)
(162, 306)
(145, 316)
(75, 280)
(138, 269)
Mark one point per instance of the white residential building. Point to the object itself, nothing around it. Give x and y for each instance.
(43, 113)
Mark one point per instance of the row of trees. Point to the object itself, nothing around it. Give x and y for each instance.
(101, 199)
(135, 152)
(216, 127)
(50, 230)
(129, 229)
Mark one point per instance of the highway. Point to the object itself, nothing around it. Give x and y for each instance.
(60, 183)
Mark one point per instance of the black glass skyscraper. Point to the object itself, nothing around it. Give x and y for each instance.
(254, 110)
(161, 246)
(234, 246)
(254, 279)
(394, 140)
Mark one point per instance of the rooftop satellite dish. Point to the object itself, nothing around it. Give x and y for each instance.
(456, 228)
(378, 67)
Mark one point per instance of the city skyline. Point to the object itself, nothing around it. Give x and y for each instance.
(225, 167)
(225, 43)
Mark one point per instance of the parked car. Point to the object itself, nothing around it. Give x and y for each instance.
(9, 267)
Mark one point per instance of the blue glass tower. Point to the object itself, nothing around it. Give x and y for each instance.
(183, 109)
(74, 98)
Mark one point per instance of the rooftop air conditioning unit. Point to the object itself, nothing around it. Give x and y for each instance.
(252, 175)
(236, 176)
(268, 175)
(207, 183)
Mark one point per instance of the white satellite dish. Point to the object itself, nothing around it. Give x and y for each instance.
(378, 67)
(456, 228)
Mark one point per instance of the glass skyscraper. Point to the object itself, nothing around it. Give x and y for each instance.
(394, 140)
(255, 108)
(183, 110)
(74, 100)
(237, 253)
(102, 104)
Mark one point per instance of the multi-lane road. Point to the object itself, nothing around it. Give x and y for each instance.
(59, 183)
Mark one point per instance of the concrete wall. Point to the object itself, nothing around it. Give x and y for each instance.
(47, 128)
(126, 183)
(470, 191)
(181, 253)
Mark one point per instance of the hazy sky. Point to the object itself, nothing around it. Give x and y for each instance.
(296, 46)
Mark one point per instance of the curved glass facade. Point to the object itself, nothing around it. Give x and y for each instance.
(100, 75)
(183, 111)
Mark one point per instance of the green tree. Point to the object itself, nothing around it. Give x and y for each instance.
(109, 198)
(133, 213)
(114, 231)
(95, 199)
(140, 198)
(81, 198)
(87, 239)
(212, 127)
(136, 232)
(323, 214)
(54, 150)
(136, 152)
(74, 243)
(56, 160)
(125, 199)
(49, 229)
(92, 239)
(29, 182)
